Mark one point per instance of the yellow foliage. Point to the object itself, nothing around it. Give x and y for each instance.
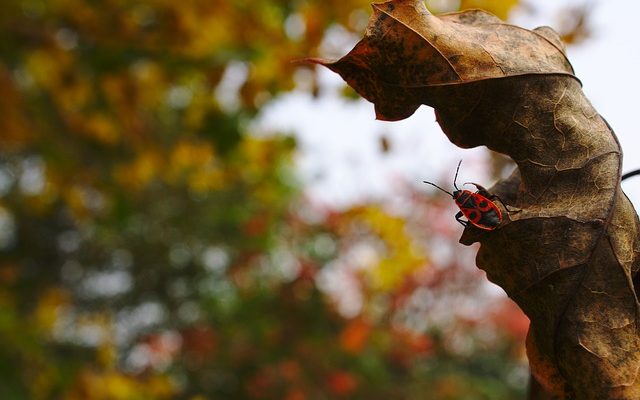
(200, 14)
(499, 8)
(132, 95)
(398, 256)
(72, 91)
(83, 202)
(194, 162)
(41, 376)
(112, 385)
(138, 173)
(102, 128)
(203, 180)
(50, 305)
(107, 354)
(149, 81)
(45, 67)
(188, 155)
(255, 156)
(55, 70)
(190, 162)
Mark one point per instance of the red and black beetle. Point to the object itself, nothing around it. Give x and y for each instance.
(478, 207)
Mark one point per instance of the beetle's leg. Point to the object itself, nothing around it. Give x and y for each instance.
(462, 222)
(481, 190)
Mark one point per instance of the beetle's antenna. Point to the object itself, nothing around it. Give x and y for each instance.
(456, 177)
(433, 184)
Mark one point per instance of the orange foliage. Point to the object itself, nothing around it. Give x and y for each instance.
(342, 383)
(354, 336)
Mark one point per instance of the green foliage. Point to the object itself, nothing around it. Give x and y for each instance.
(151, 247)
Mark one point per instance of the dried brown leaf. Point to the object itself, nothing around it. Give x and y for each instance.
(570, 256)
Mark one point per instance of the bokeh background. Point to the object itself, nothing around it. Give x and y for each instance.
(185, 213)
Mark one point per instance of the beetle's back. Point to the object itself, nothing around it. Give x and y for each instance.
(479, 210)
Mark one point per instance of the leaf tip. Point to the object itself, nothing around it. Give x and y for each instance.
(312, 60)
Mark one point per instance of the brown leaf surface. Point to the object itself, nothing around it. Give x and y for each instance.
(570, 257)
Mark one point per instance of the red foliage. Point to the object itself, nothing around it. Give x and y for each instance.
(510, 318)
(342, 383)
(256, 226)
(199, 343)
(410, 346)
(354, 337)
